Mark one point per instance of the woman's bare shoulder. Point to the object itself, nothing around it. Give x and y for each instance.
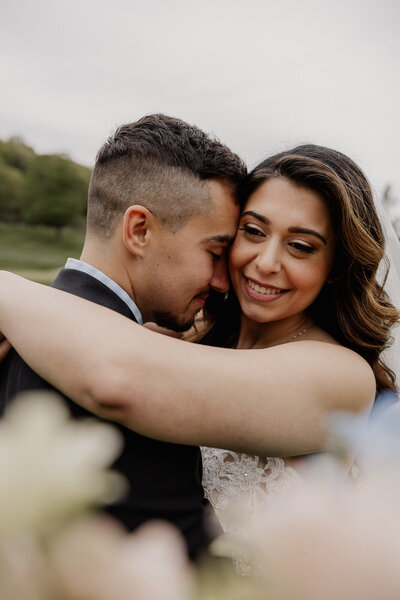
(347, 377)
(338, 377)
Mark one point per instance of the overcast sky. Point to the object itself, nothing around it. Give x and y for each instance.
(262, 75)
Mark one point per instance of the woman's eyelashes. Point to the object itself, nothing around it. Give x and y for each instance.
(250, 230)
(296, 246)
(299, 247)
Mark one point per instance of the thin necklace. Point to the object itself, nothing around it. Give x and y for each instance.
(299, 333)
(296, 335)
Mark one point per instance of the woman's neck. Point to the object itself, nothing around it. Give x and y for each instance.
(265, 335)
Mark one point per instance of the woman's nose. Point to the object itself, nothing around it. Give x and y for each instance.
(269, 258)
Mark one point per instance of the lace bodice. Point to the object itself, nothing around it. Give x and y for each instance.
(230, 478)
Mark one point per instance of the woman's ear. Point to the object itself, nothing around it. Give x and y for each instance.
(137, 229)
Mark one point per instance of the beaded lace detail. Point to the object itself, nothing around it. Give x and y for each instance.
(230, 478)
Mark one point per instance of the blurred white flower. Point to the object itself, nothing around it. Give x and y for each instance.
(23, 570)
(52, 466)
(96, 560)
(330, 541)
(378, 443)
(334, 538)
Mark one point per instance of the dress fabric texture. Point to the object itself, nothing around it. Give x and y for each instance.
(252, 483)
(164, 479)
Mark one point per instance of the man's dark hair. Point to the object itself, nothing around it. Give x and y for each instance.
(161, 163)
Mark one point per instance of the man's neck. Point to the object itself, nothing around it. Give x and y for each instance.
(108, 262)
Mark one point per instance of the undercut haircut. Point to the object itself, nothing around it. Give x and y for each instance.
(163, 164)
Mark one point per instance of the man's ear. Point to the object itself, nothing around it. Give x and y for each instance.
(137, 229)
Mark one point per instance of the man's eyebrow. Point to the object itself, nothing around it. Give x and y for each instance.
(307, 231)
(266, 221)
(220, 239)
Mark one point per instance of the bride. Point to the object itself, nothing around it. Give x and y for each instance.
(300, 335)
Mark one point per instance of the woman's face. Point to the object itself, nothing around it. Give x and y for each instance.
(283, 251)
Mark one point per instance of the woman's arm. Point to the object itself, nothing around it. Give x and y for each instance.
(270, 402)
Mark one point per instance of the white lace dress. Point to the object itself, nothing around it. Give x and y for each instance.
(230, 478)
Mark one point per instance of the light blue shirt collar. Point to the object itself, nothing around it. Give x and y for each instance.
(79, 265)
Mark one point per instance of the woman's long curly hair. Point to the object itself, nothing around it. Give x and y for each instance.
(352, 306)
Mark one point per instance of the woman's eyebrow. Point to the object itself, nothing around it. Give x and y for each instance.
(256, 216)
(267, 221)
(307, 231)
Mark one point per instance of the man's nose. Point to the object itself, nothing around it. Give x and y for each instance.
(220, 279)
(269, 258)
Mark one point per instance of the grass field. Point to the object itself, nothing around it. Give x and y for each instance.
(35, 253)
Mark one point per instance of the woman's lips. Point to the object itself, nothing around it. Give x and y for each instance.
(264, 293)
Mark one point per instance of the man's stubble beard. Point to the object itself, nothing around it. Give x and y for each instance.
(170, 321)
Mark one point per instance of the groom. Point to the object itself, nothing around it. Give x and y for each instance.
(162, 210)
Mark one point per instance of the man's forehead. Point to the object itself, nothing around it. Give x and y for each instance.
(217, 223)
(221, 191)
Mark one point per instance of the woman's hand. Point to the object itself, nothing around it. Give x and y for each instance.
(154, 327)
(5, 347)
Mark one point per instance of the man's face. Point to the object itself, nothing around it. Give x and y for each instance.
(184, 266)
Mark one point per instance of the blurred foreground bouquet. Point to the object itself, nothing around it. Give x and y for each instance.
(335, 537)
(53, 470)
(332, 538)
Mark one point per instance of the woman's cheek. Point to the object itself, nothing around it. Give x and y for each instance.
(235, 256)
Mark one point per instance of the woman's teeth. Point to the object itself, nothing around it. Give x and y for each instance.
(263, 290)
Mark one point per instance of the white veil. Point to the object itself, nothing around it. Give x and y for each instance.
(392, 285)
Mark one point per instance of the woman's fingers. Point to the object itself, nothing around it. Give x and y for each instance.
(5, 347)
(154, 327)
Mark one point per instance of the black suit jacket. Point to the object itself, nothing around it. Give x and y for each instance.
(164, 478)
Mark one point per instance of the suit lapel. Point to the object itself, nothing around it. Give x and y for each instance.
(85, 286)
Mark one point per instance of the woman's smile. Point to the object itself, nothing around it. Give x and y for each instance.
(263, 292)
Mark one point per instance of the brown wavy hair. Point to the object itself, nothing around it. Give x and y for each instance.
(353, 307)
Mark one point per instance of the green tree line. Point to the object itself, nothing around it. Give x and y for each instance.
(41, 189)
